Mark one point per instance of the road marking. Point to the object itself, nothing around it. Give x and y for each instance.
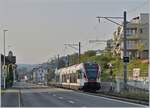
(60, 97)
(72, 102)
(113, 99)
(19, 98)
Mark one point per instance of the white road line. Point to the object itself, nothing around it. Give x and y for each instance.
(19, 99)
(60, 97)
(113, 99)
(72, 102)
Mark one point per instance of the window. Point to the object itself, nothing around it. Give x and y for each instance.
(71, 78)
(141, 31)
(131, 31)
(64, 79)
(91, 71)
(57, 78)
(79, 74)
(75, 78)
(131, 44)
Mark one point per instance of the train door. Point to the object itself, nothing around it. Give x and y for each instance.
(80, 81)
(60, 79)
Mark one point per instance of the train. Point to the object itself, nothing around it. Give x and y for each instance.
(83, 76)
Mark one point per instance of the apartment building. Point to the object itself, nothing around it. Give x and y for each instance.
(39, 75)
(137, 38)
(109, 45)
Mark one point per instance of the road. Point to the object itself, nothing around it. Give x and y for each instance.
(56, 97)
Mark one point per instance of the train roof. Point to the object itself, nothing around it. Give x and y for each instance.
(76, 66)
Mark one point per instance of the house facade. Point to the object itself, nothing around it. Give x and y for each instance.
(137, 38)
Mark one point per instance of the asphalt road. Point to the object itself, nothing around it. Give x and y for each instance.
(56, 97)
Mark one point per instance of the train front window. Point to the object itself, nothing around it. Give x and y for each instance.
(91, 71)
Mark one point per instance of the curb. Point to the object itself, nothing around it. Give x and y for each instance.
(121, 98)
(113, 97)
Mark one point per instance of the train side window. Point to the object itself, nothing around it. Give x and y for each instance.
(62, 78)
(71, 78)
(79, 74)
(57, 78)
(75, 78)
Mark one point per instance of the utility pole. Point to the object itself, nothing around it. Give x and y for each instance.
(125, 57)
(4, 31)
(79, 51)
(125, 50)
(68, 60)
(58, 61)
(74, 46)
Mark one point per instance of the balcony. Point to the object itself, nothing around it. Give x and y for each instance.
(130, 47)
(133, 37)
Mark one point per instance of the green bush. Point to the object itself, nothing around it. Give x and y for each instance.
(105, 76)
(106, 58)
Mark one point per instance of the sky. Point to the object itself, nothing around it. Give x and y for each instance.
(38, 29)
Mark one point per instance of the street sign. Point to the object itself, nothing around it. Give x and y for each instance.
(136, 73)
(126, 59)
(4, 70)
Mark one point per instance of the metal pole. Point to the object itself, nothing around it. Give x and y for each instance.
(125, 51)
(4, 59)
(14, 73)
(58, 61)
(79, 51)
(68, 60)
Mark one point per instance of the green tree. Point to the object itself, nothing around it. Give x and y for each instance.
(90, 53)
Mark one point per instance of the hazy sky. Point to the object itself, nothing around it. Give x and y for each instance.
(38, 29)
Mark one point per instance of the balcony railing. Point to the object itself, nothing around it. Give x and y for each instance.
(133, 37)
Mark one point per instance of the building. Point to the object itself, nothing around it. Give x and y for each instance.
(137, 38)
(109, 45)
(100, 52)
(39, 75)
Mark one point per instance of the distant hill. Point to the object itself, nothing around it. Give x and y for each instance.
(25, 68)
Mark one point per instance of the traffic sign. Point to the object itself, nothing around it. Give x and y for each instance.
(126, 59)
(136, 73)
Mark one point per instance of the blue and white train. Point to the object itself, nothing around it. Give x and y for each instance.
(83, 76)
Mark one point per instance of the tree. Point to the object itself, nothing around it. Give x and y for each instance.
(51, 74)
(73, 59)
(90, 53)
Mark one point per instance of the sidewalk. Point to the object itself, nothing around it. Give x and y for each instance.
(9, 99)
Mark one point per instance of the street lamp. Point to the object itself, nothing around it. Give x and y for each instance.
(4, 31)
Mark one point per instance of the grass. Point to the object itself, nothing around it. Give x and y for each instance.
(130, 95)
(2, 91)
